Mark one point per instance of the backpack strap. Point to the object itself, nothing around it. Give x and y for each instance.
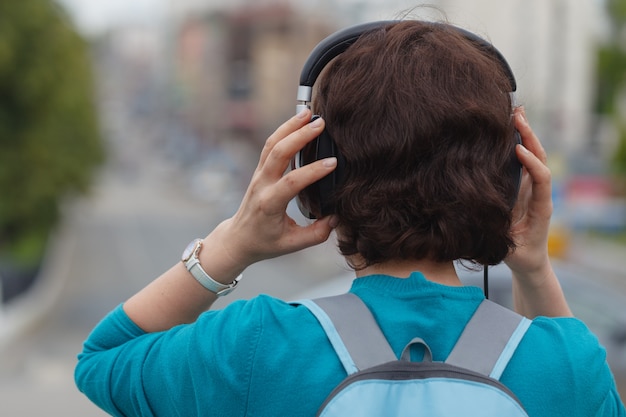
(486, 344)
(352, 330)
(501, 327)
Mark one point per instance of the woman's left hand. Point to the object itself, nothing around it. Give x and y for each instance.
(533, 210)
(536, 288)
(261, 228)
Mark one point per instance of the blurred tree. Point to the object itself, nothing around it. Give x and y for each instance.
(611, 70)
(49, 134)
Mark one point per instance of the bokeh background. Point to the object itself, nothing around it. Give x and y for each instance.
(128, 128)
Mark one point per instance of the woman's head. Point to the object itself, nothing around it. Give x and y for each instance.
(422, 116)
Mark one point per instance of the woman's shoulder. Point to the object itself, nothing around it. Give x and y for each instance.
(565, 346)
(262, 312)
(563, 333)
(561, 364)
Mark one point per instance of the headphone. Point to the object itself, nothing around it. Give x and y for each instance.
(316, 199)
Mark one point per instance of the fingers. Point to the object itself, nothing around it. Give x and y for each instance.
(534, 158)
(275, 198)
(529, 139)
(313, 234)
(538, 171)
(295, 181)
(271, 187)
(279, 150)
(291, 130)
(531, 154)
(283, 152)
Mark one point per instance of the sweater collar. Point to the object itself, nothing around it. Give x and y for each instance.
(414, 284)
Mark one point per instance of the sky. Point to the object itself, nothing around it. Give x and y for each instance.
(95, 16)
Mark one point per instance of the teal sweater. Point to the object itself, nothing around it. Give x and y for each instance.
(266, 357)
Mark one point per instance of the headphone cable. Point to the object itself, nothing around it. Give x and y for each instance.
(486, 281)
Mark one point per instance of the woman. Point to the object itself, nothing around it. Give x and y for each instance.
(423, 121)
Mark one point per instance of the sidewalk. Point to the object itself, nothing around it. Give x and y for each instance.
(27, 309)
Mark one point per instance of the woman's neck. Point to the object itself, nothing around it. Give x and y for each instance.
(440, 272)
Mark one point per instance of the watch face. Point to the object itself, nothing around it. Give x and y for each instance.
(189, 250)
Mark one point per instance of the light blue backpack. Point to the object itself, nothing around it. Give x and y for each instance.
(378, 384)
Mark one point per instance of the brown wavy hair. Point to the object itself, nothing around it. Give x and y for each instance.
(423, 119)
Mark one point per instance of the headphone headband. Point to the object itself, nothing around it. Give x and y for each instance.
(336, 43)
(332, 46)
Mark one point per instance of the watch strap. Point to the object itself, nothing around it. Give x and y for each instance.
(192, 263)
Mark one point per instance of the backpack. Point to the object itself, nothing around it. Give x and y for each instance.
(380, 384)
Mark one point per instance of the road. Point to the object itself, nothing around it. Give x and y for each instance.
(132, 227)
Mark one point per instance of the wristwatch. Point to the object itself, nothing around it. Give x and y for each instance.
(192, 263)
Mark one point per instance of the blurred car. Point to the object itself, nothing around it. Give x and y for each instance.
(600, 307)
(559, 238)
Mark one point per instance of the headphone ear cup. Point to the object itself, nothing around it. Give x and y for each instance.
(326, 186)
(515, 169)
(315, 200)
(308, 198)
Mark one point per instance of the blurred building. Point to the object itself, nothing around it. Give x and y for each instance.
(549, 44)
(237, 68)
(233, 65)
